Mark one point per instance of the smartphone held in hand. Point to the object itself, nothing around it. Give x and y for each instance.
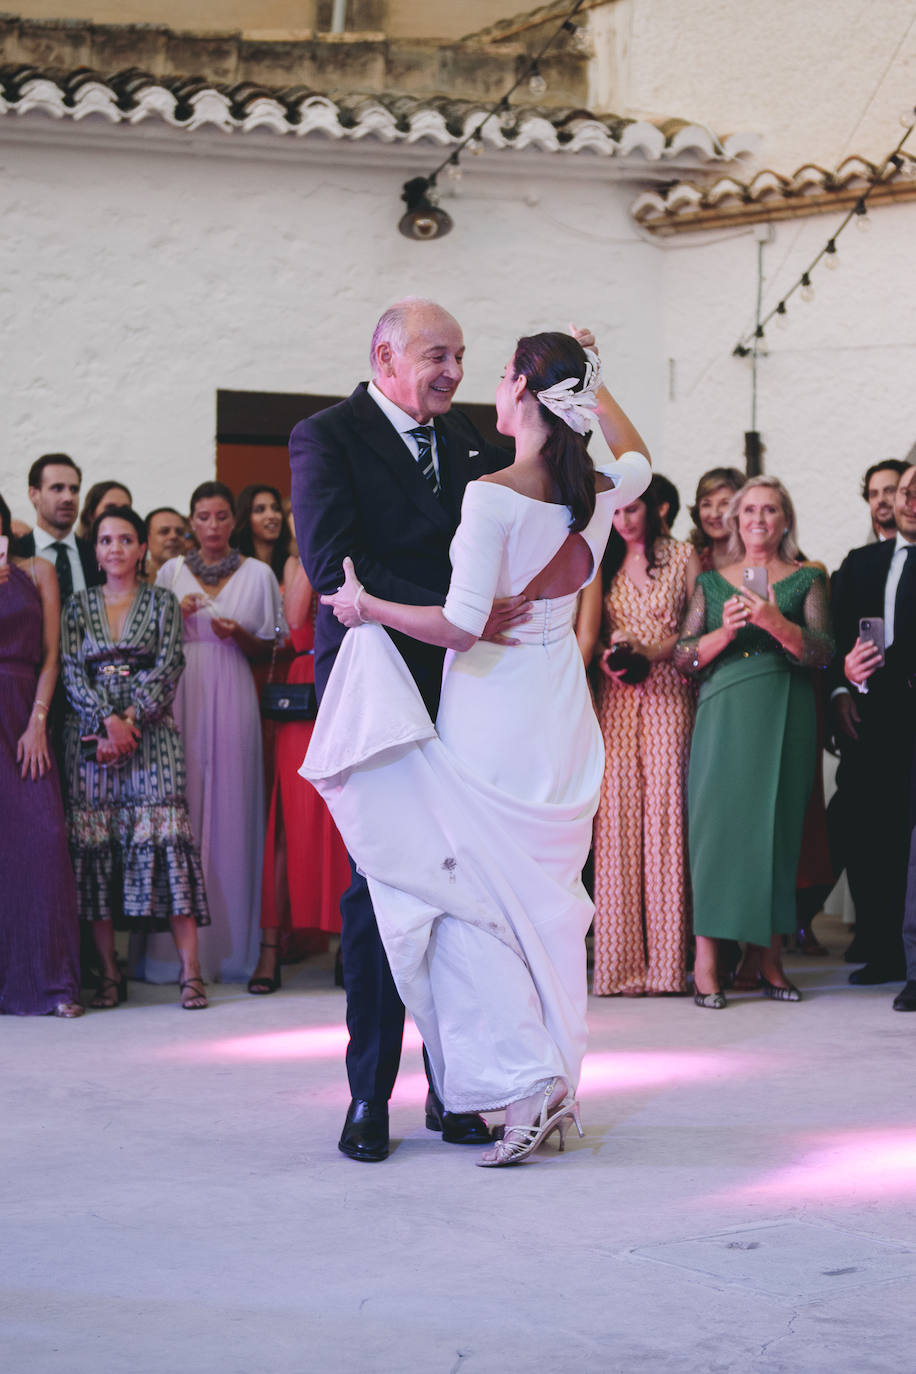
(871, 629)
(755, 579)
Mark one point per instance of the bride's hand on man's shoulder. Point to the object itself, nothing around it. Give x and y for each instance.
(345, 601)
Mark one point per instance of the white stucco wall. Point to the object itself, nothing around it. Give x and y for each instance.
(135, 282)
(819, 80)
(835, 390)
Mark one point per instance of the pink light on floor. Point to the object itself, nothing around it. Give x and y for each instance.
(847, 1166)
(629, 1070)
(306, 1042)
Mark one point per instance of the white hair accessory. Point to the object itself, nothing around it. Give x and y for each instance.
(575, 408)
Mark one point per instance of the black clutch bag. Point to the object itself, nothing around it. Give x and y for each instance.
(289, 701)
(286, 701)
(635, 666)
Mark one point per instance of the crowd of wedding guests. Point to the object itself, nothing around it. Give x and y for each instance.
(719, 679)
(156, 702)
(143, 789)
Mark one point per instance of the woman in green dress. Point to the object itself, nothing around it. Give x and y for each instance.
(753, 752)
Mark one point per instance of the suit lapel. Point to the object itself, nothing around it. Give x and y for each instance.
(377, 433)
(452, 473)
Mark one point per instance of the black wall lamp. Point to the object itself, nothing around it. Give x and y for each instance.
(424, 219)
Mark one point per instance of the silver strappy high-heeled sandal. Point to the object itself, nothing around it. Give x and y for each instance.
(521, 1141)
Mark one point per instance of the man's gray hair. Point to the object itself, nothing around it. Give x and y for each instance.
(393, 327)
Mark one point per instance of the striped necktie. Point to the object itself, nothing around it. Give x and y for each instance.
(423, 436)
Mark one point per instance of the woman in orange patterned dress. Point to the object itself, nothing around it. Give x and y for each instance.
(641, 893)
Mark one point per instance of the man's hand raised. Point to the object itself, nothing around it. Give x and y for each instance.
(506, 612)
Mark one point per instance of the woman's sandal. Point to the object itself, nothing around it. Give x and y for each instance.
(109, 992)
(259, 983)
(519, 1142)
(68, 1011)
(195, 1000)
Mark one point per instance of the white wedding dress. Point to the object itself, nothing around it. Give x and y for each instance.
(473, 834)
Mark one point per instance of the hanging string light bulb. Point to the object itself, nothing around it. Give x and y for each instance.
(858, 212)
(782, 316)
(531, 75)
(536, 83)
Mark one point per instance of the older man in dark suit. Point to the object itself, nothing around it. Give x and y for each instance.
(878, 582)
(381, 477)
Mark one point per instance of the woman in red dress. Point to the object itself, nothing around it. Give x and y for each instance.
(305, 864)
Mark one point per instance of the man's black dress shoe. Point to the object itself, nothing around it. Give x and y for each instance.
(906, 997)
(365, 1132)
(874, 973)
(458, 1128)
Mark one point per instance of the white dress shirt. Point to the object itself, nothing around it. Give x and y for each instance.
(894, 573)
(43, 542)
(403, 422)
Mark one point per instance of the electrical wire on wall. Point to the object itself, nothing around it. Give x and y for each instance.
(749, 342)
(424, 219)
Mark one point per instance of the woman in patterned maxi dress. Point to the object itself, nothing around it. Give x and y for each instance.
(641, 895)
(136, 864)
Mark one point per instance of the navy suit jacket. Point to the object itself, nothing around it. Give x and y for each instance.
(357, 491)
(858, 591)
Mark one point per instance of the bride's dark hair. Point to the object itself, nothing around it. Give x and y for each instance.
(544, 360)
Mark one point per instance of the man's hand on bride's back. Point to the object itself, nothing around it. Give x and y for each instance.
(506, 612)
(345, 601)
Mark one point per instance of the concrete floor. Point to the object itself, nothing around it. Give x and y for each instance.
(744, 1199)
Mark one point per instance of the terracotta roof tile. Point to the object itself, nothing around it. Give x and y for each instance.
(686, 206)
(132, 96)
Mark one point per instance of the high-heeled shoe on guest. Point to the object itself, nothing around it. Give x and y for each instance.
(519, 1142)
(790, 993)
(713, 1001)
(109, 992)
(261, 984)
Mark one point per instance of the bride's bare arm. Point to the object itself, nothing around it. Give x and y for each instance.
(353, 605)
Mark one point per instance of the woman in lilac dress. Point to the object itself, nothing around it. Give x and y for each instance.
(39, 935)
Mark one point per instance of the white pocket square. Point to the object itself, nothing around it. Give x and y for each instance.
(474, 453)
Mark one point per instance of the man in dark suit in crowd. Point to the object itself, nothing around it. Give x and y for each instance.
(878, 582)
(381, 477)
(54, 491)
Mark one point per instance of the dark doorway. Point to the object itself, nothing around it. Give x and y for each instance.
(253, 427)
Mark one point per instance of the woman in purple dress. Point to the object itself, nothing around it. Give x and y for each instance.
(39, 935)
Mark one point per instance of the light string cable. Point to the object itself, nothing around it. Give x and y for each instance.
(421, 185)
(749, 341)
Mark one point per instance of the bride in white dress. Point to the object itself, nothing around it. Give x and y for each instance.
(473, 833)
